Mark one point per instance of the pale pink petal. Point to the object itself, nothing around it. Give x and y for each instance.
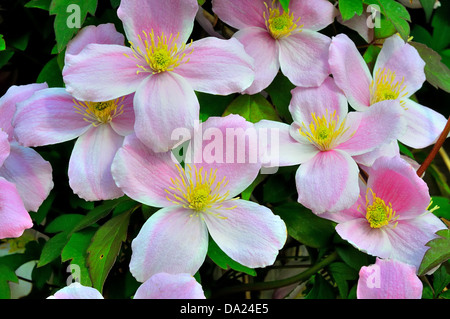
(389, 279)
(306, 101)
(423, 125)
(14, 218)
(170, 286)
(396, 182)
(163, 17)
(142, 174)
(260, 45)
(201, 18)
(403, 59)
(367, 159)
(48, 117)
(4, 147)
(382, 123)
(359, 24)
(217, 66)
(102, 72)
(304, 57)
(8, 102)
(172, 240)
(90, 164)
(77, 291)
(247, 232)
(164, 103)
(241, 13)
(314, 14)
(31, 174)
(228, 145)
(350, 72)
(101, 34)
(328, 182)
(123, 124)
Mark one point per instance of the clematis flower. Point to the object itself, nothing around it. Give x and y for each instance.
(52, 116)
(159, 286)
(327, 141)
(398, 74)
(388, 279)
(281, 39)
(391, 219)
(25, 177)
(159, 67)
(196, 200)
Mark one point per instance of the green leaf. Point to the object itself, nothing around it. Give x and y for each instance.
(444, 206)
(385, 30)
(437, 73)
(441, 278)
(352, 256)
(371, 54)
(223, 261)
(213, 105)
(341, 273)
(2, 43)
(349, 8)
(277, 189)
(280, 94)
(53, 248)
(428, 7)
(253, 108)
(249, 190)
(51, 74)
(304, 226)
(63, 223)
(285, 4)
(321, 289)
(438, 253)
(105, 247)
(405, 151)
(6, 275)
(40, 4)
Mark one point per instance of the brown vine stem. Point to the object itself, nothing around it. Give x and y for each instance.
(437, 146)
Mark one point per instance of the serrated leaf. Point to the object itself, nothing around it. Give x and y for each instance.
(223, 261)
(253, 108)
(438, 253)
(349, 8)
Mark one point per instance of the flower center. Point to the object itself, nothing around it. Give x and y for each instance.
(198, 190)
(280, 23)
(378, 214)
(99, 113)
(324, 131)
(385, 86)
(161, 53)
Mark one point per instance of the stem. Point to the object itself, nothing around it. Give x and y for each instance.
(278, 283)
(437, 146)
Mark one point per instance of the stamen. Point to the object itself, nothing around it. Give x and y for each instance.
(98, 113)
(378, 214)
(280, 24)
(386, 87)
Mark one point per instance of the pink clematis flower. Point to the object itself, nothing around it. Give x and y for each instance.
(159, 67)
(25, 177)
(159, 286)
(196, 200)
(398, 74)
(391, 217)
(53, 116)
(388, 279)
(279, 39)
(327, 141)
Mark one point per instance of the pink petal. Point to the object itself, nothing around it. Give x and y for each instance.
(359, 24)
(314, 14)
(389, 279)
(328, 182)
(77, 291)
(30, 173)
(102, 34)
(168, 17)
(124, 123)
(367, 159)
(135, 165)
(48, 117)
(4, 147)
(170, 286)
(248, 233)
(172, 241)
(260, 45)
(217, 66)
(350, 71)
(304, 57)
(240, 13)
(102, 72)
(90, 164)
(14, 218)
(164, 103)
(8, 102)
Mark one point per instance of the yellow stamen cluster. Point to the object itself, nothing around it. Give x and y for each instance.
(324, 131)
(280, 23)
(161, 53)
(378, 214)
(385, 86)
(99, 113)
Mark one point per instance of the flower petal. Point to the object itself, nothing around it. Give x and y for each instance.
(247, 232)
(77, 291)
(240, 13)
(350, 72)
(48, 117)
(124, 123)
(314, 14)
(217, 66)
(171, 241)
(304, 58)
(359, 24)
(170, 286)
(90, 164)
(367, 159)
(4, 147)
(328, 182)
